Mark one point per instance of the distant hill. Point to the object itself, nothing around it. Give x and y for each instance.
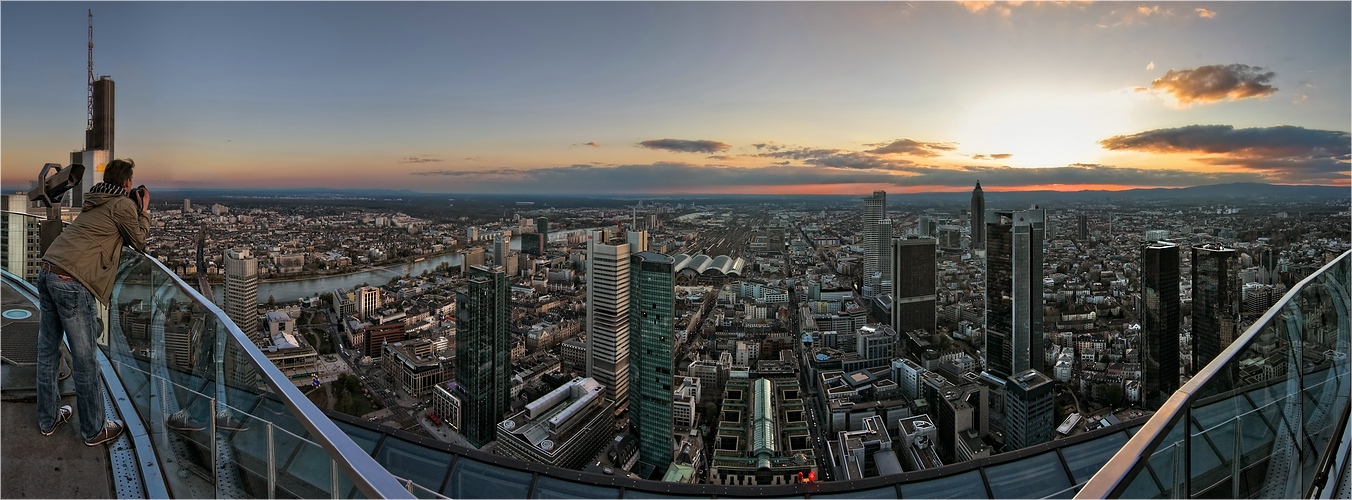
(1211, 193)
(1251, 191)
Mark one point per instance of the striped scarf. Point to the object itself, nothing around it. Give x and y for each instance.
(104, 187)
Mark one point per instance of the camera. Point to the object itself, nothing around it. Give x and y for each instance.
(138, 195)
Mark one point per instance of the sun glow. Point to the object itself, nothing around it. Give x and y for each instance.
(1042, 129)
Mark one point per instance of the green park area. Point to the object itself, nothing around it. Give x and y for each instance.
(344, 395)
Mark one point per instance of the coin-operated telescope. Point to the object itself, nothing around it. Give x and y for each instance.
(50, 190)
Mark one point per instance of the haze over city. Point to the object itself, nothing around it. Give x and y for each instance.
(662, 98)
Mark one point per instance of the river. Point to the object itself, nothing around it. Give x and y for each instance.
(293, 290)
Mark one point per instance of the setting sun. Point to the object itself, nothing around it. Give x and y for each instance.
(1042, 129)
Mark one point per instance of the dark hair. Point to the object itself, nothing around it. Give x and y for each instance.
(118, 171)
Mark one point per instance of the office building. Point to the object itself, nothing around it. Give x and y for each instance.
(866, 452)
(287, 352)
(1215, 302)
(533, 244)
(1014, 241)
(415, 366)
(501, 246)
(875, 211)
(99, 135)
(1160, 321)
(763, 438)
(542, 226)
(368, 301)
(608, 316)
(1030, 410)
(1082, 220)
(21, 250)
(446, 406)
(712, 374)
(95, 162)
(638, 241)
(241, 293)
(914, 290)
(685, 403)
(564, 428)
(919, 443)
(978, 218)
(652, 307)
(483, 348)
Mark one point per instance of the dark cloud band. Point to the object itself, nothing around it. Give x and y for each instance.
(686, 146)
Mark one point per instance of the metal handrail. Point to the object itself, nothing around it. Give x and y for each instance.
(1113, 478)
(363, 470)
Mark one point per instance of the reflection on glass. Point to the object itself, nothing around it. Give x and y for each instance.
(474, 479)
(549, 487)
(1264, 415)
(966, 485)
(1035, 477)
(1087, 458)
(424, 466)
(207, 404)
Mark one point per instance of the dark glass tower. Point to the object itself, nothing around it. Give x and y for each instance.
(652, 306)
(1160, 320)
(1030, 410)
(1215, 302)
(913, 290)
(101, 135)
(978, 218)
(1014, 290)
(483, 350)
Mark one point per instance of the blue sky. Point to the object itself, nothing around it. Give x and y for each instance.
(619, 97)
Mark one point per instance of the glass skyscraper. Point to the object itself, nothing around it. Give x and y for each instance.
(978, 218)
(483, 352)
(1160, 320)
(1215, 302)
(652, 307)
(913, 289)
(1014, 241)
(875, 243)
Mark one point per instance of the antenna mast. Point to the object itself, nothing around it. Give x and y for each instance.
(89, 123)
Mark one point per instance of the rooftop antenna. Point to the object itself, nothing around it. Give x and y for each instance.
(89, 122)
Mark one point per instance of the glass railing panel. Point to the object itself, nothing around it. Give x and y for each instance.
(548, 487)
(632, 493)
(1086, 458)
(422, 465)
(367, 439)
(223, 420)
(1164, 470)
(1293, 366)
(965, 485)
(889, 491)
(1034, 477)
(475, 479)
(310, 471)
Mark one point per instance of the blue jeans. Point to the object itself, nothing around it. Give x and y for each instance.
(69, 309)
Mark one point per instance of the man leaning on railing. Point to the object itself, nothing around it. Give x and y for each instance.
(79, 267)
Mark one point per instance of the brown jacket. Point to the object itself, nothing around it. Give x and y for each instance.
(91, 247)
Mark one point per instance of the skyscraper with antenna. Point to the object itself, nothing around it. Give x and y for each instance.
(98, 147)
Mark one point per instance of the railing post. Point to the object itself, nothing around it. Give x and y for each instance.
(1238, 464)
(333, 477)
(272, 464)
(211, 434)
(1180, 471)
